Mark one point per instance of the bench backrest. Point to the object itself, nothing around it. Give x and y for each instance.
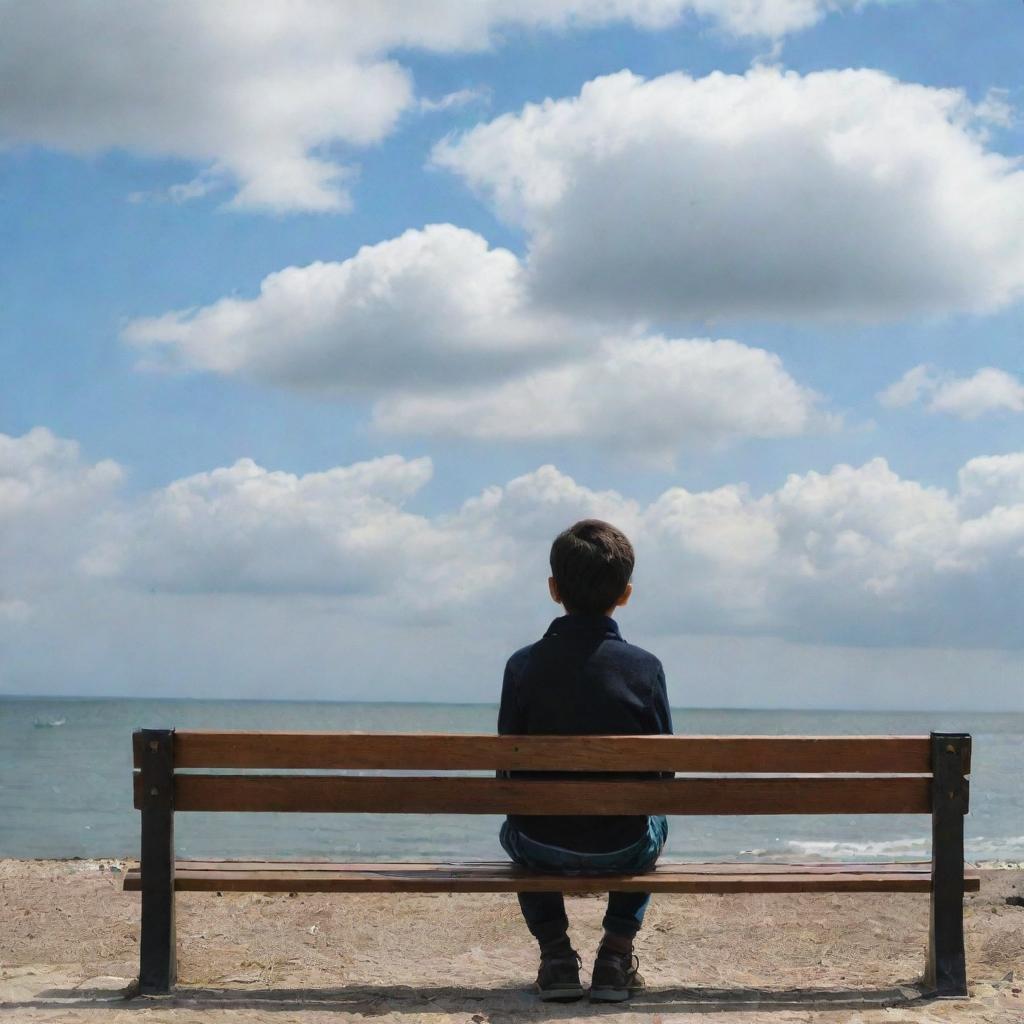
(718, 774)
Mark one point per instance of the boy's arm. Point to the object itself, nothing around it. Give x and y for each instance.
(509, 715)
(662, 711)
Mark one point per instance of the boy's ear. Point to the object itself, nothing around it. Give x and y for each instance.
(626, 595)
(553, 590)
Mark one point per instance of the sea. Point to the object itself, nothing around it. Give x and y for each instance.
(65, 786)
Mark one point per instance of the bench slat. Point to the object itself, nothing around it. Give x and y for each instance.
(474, 795)
(485, 867)
(497, 877)
(876, 755)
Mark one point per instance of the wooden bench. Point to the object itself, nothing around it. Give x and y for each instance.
(739, 775)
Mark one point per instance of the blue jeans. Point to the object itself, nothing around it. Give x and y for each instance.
(545, 911)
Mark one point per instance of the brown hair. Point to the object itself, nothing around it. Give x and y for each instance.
(592, 563)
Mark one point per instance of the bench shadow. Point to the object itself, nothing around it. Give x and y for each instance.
(379, 999)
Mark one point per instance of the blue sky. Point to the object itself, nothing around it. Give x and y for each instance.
(96, 255)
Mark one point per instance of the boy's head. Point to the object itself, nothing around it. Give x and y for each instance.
(591, 564)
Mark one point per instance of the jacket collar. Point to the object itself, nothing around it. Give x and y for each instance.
(577, 623)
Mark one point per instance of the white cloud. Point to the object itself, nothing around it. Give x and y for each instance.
(429, 307)
(992, 481)
(996, 109)
(42, 474)
(454, 100)
(648, 396)
(50, 500)
(244, 529)
(243, 580)
(442, 333)
(837, 193)
(856, 555)
(917, 381)
(986, 390)
(344, 532)
(265, 95)
(255, 95)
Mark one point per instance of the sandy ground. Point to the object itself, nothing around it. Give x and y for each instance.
(68, 947)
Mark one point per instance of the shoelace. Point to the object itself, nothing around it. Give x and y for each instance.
(614, 958)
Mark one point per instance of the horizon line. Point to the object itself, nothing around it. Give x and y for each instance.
(494, 703)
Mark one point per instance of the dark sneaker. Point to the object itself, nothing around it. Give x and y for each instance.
(558, 980)
(615, 977)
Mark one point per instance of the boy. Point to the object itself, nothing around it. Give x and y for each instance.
(582, 678)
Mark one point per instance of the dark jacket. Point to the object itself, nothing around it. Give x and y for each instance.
(583, 679)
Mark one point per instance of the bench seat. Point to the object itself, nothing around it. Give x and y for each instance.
(500, 876)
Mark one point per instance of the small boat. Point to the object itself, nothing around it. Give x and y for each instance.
(48, 723)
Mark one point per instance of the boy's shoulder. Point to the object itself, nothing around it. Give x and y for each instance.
(517, 659)
(618, 649)
(641, 653)
(635, 655)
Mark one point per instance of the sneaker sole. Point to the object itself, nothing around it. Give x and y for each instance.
(560, 995)
(609, 995)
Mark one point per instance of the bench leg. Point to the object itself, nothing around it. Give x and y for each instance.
(946, 973)
(157, 954)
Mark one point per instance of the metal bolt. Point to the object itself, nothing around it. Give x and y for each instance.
(951, 794)
(154, 792)
(950, 749)
(154, 746)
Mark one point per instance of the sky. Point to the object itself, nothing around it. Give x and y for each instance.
(318, 321)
